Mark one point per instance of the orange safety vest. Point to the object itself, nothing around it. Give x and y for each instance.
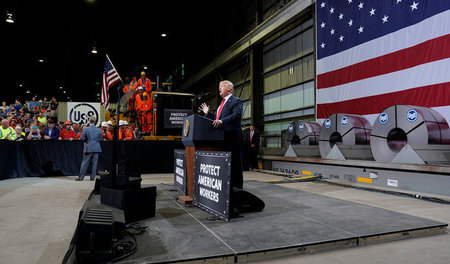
(146, 83)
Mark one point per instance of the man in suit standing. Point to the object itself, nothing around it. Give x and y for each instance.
(228, 116)
(253, 138)
(91, 137)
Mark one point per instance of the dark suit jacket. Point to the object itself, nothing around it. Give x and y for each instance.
(55, 133)
(255, 139)
(231, 116)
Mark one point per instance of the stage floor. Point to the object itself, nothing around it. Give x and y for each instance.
(293, 222)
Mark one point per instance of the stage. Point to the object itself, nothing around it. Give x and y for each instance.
(294, 222)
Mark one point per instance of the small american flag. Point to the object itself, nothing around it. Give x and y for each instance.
(110, 77)
(372, 54)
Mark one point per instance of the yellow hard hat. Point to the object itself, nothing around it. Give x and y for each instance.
(144, 94)
(143, 73)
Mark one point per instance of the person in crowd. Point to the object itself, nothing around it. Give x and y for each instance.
(44, 105)
(106, 135)
(137, 133)
(252, 143)
(67, 133)
(146, 114)
(77, 129)
(25, 109)
(7, 132)
(130, 87)
(124, 132)
(53, 106)
(29, 117)
(228, 116)
(26, 128)
(11, 109)
(91, 137)
(34, 133)
(33, 103)
(18, 105)
(42, 128)
(4, 107)
(51, 132)
(13, 123)
(42, 119)
(20, 135)
(145, 83)
(2, 113)
(61, 125)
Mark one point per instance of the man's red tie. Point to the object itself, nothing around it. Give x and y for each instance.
(220, 109)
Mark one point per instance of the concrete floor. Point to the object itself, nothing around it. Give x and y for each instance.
(38, 218)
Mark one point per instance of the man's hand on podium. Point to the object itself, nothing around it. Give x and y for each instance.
(204, 108)
(217, 123)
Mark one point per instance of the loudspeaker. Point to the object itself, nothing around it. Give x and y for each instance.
(95, 235)
(137, 204)
(122, 182)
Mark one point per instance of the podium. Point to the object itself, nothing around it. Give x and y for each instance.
(198, 134)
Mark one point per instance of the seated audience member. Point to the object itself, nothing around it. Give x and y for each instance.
(20, 135)
(33, 103)
(34, 134)
(77, 129)
(18, 105)
(51, 132)
(2, 113)
(6, 132)
(67, 132)
(13, 123)
(4, 106)
(137, 133)
(53, 106)
(44, 105)
(42, 119)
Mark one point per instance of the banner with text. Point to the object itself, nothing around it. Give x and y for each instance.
(212, 182)
(179, 171)
(174, 118)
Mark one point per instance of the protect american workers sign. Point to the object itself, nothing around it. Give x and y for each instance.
(212, 182)
(179, 171)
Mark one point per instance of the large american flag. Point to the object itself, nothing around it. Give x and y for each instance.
(372, 54)
(110, 77)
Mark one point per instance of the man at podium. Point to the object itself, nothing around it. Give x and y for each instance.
(228, 116)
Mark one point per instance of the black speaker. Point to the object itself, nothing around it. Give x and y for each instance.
(95, 235)
(137, 204)
(122, 182)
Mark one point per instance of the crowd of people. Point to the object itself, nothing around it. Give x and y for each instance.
(36, 120)
(139, 101)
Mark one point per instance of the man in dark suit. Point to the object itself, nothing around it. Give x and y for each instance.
(91, 137)
(228, 116)
(253, 138)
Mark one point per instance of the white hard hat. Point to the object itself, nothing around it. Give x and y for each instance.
(104, 124)
(109, 123)
(121, 123)
(140, 88)
(125, 122)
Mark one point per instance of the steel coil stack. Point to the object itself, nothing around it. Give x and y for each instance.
(343, 129)
(399, 125)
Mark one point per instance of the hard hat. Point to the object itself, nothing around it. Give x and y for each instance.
(143, 73)
(109, 122)
(121, 123)
(104, 124)
(134, 78)
(140, 88)
(68, 123)
(145, 94)
(125, 122)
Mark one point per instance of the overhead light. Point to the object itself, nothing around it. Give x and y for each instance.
(163, 35)
(64, 91)
(60, 87)
(9, 17)
(41, 60)
(145, 68)
(94, 50)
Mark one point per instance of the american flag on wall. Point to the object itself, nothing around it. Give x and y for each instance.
(372, 54)
(110, 77)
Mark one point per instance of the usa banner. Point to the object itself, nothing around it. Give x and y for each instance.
(372, 54)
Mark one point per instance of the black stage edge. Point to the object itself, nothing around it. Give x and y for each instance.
(293, 223)
(31, 158)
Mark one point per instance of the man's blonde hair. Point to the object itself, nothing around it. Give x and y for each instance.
(228, 84)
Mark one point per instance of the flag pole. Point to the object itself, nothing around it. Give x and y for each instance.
(115, 158)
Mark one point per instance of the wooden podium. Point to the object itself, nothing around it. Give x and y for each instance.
(198, 134)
